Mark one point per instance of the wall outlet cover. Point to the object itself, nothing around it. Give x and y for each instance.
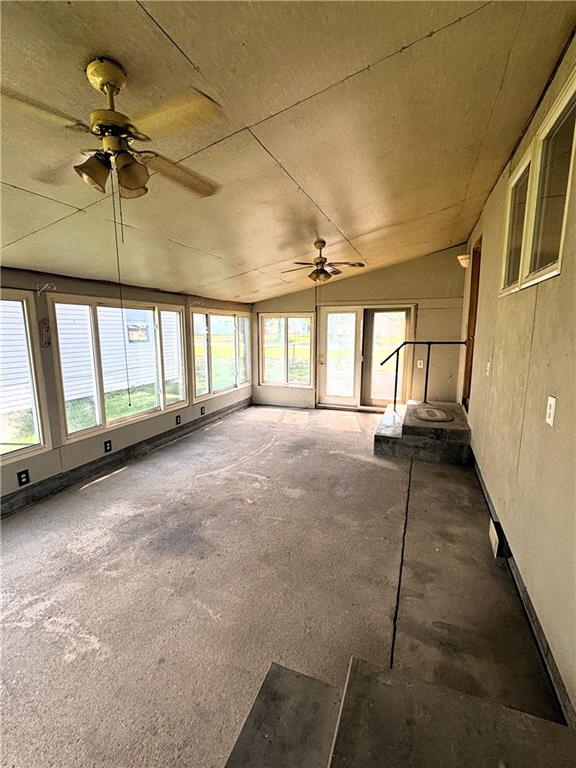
(23, 477)
(107, 446)
(550, 410)
(420, 363)
(488, 368)
(202, 410)
(178, 419)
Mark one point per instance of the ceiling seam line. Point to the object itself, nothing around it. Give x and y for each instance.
(174, 43)
(38, 194)
(490, 116)
(371, 65)
(265, 148)
(18, 239)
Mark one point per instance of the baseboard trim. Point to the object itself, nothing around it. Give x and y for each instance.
(538, 632)
(44, 489)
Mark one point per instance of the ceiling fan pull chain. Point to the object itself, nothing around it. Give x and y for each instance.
(120, 292)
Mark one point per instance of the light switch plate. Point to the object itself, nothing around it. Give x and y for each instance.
(550, 410)
(488, 368)
(420, 363)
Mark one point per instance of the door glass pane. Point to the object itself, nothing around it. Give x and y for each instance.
(552, 190)
(202, 386)
(388, 333)
(19, 423)
(274, 364)
(517, 215)
(299, 349)
(340, 354)
(173, 356)
(127, 340)
(243, 349)
(222, 351)
(75, 343)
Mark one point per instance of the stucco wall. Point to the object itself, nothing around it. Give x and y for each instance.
(62, 456)
(433, 283)
(529, 468)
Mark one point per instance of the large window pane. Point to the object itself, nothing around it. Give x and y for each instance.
(341, 354)
(243, 349)
(222, 351)
(19, 423)
(173, 356)
(516, 230)
(75, 343)
(299, 350)
(127, 340)
(202, 384)
(273, 349)
(552, 190)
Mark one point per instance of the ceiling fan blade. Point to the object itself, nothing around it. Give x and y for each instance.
(346, 264)
(179, 114)
(305, 263)
(37, 109)
(297, 269)
(178, 173)
(333, 271)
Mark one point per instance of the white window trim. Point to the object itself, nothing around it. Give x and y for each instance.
(94, 303)
(236, 386)
(533, 155)
(38, 384)
(285, 383)
(512, 181)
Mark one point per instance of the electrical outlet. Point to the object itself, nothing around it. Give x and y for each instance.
(488, 368)
(178, 419)
(23, 477)
(107, 446)
(419, 363)
(550, 410)
(202, 410)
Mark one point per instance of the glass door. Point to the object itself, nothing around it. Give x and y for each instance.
(384, 331)
(339, 356)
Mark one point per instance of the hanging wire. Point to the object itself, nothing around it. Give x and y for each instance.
(120, 291)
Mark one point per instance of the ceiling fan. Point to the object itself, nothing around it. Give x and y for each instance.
(323, 269)
(117, 132)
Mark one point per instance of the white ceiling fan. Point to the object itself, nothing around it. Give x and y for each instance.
(117, 132)
(323, 269)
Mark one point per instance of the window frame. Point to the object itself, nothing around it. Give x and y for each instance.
(533, 157)
(94, 303)
(197, 310)
(28, 300)
(261, 317)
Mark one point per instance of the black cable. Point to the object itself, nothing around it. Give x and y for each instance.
(120, 292)
(397, 607)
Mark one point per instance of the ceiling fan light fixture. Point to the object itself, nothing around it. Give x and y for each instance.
(95, 171)
(131, 174)
(130, 194)
(319, 276)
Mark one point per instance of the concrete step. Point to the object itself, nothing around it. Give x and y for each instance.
(389, 722)
(404, 435)
(291, 723)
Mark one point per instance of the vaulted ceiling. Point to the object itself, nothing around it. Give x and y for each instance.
(379, 126)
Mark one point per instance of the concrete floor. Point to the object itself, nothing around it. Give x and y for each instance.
(143, 610)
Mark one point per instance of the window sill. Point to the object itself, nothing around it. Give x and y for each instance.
(227, 391)
(551, 270)
(23, 453)
(285, 386)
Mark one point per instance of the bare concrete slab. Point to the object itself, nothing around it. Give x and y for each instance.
(390, 722)
(291, 723)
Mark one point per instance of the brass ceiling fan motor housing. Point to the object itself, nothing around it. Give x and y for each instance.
(109, 77)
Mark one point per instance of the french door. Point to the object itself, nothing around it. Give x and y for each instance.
(353, 341)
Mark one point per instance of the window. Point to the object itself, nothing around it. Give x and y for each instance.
(286, 350)
(117, 363)
(537, 199)
(557, 150)
(518, 193)
(221, 351)
(19, 411)
(75, 341)
(173, 356)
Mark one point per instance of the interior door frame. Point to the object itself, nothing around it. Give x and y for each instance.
(472, 317)
(355, 402)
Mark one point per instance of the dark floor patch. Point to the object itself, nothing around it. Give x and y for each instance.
(180, 540)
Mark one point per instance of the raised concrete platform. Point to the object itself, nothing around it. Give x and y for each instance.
(402, 435)
(291, 723)
(399, 723)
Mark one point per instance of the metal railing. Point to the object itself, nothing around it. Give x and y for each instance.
(396, 352)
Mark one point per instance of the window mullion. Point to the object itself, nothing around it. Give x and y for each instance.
(286, 378)
(161, 378)
(102, 420)
(209, 350)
